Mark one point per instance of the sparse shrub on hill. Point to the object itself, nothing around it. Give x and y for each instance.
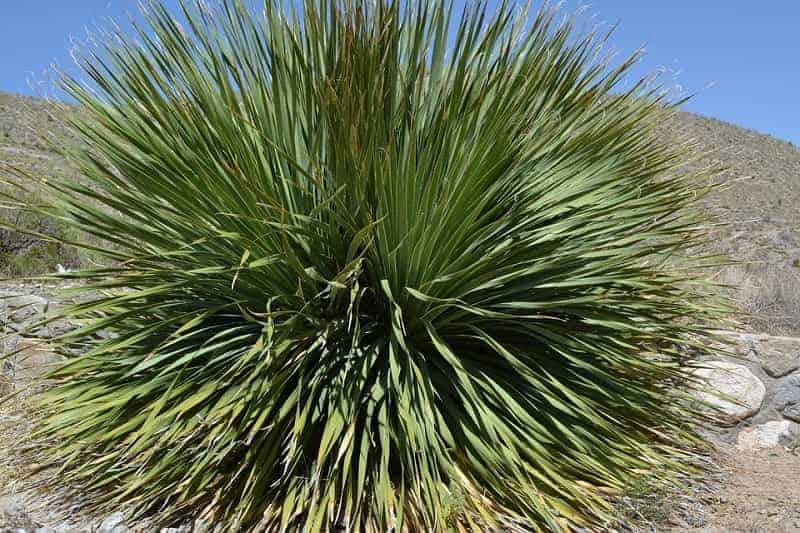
(376, 266)
(32, 134)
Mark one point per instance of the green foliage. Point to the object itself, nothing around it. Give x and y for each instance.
(361, 279)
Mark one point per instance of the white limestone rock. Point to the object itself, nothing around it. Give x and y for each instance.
(731, 388)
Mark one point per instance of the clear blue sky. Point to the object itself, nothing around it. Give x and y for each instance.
(749, 50)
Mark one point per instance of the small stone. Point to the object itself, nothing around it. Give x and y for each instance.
(186, 528)
(15, 327)
(13, 516)
(743, 347)
(114, 523)
(33, 360)
(183, 528)
(54, 329)
(62, 528)
(779, 357)
(769, 435)
(787, 398)
(732, 389)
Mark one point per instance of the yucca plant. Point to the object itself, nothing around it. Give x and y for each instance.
(373, 265)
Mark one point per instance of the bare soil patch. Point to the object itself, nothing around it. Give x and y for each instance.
(760, 493)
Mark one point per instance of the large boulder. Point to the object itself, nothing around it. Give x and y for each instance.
(778, 357)
(23, 313)
(730, 388)
(787, 398)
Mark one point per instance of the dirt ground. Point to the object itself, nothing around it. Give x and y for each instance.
(760, 493)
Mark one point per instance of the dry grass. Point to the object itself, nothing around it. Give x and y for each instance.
(758, 209)
(768, 294)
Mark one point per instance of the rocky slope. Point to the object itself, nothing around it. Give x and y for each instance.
(758, 209)
(29, 128)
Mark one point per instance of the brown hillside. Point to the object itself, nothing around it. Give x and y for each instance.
(758, 206)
